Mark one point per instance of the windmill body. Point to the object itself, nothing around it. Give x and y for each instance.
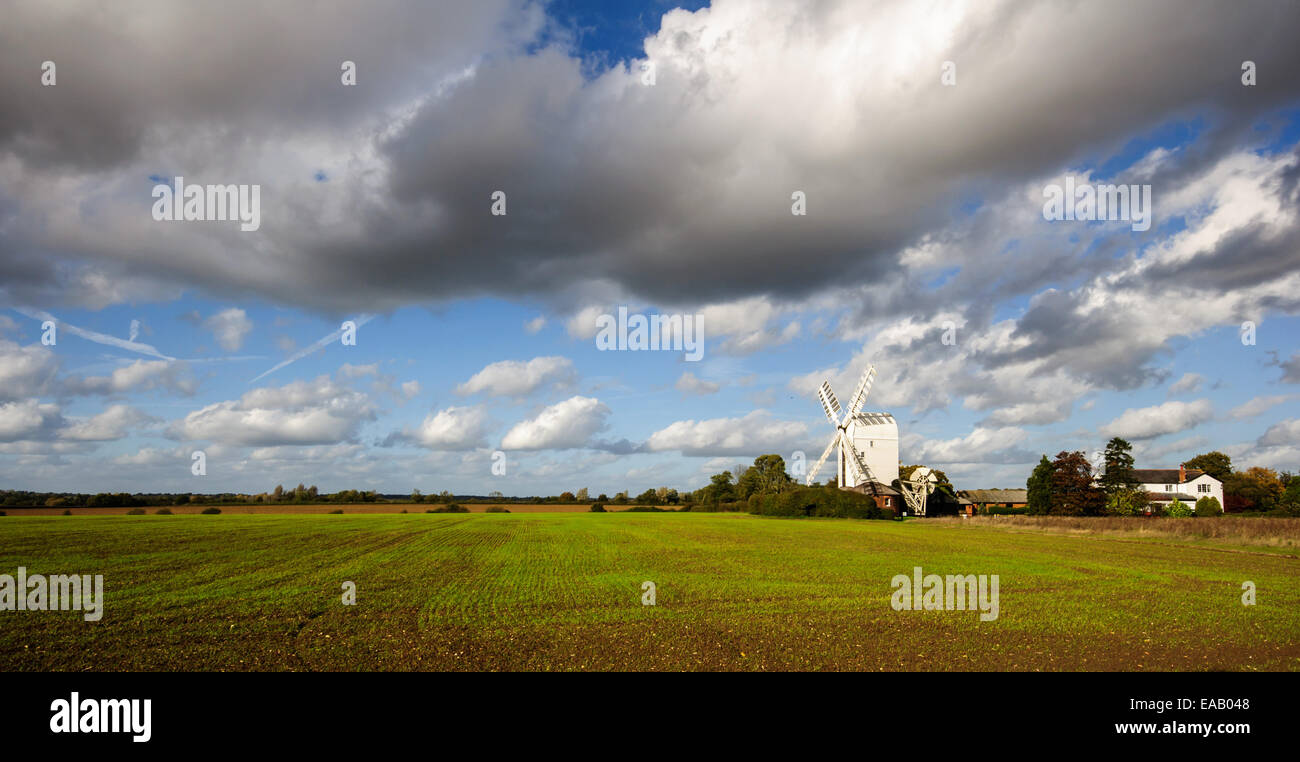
(865, 444)
(875, 436)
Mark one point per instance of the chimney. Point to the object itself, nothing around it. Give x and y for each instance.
(1182, 473)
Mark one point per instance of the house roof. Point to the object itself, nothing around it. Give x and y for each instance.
(1165, 475)
(995, 495)
(881, 489)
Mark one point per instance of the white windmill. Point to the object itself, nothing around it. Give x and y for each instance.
(867, 442)
(917, 487)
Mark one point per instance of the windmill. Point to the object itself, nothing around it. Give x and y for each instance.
(917, 487)
(868, 442)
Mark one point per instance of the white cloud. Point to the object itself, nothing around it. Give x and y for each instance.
(982, 445)
(138, 376)
(1158, 420)
(455, 428)
(511, 378)
(229, 327)
(1189, 383)
(112, 423)
(25, 371)
(690, 384)
(583, 324)
(564, 425)
(27, 419)
(535, 325)
(299, 413)
(754, 434)
(1258, 406)
(1285, 433)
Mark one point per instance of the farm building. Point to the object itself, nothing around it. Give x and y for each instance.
(981, 500)
(885, 495)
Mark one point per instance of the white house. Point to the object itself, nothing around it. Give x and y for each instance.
(1165, 484)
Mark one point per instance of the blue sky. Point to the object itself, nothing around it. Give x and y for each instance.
(674, 199)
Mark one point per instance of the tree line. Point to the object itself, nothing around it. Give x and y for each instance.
(1068, 486)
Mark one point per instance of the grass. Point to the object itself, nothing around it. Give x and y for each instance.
(563, 592)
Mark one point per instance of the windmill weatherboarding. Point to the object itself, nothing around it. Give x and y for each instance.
(867, 442)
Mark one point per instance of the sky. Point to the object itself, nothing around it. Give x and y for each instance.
(652, 158)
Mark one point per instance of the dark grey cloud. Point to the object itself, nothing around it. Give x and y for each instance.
(677, 193)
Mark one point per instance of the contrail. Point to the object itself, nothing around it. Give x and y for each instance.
(98, 338)
(321, 344)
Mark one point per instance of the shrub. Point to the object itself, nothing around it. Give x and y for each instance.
(402, 511)
(822, 501)
(449, 508)
(135, 512)
(2, 513)
(1178, 509)
(597, 508)
(644, 509)
(1208, 506)
(163, 512)
(67, 512)
(336, 510)
(496, 509)
(211, 511)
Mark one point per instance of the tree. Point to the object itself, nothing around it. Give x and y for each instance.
(649, 497)
(1178, 509)
(1040, 488)
(417, 496)
(1119, 476)
(1291, 495)
(582, 495)
(1073, 491)
(1127, 502)
(1214, 463)
(720, 489)
(1260, 488)
(567, 497)
(766, 477)
(279, 492)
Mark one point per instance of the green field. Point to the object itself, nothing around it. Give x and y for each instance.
(563, 592)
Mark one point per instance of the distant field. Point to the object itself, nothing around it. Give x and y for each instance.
(563, 592)
(290, 508)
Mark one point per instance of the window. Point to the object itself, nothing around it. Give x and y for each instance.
(1202, 488)
(889, 502)
(1169, 488)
